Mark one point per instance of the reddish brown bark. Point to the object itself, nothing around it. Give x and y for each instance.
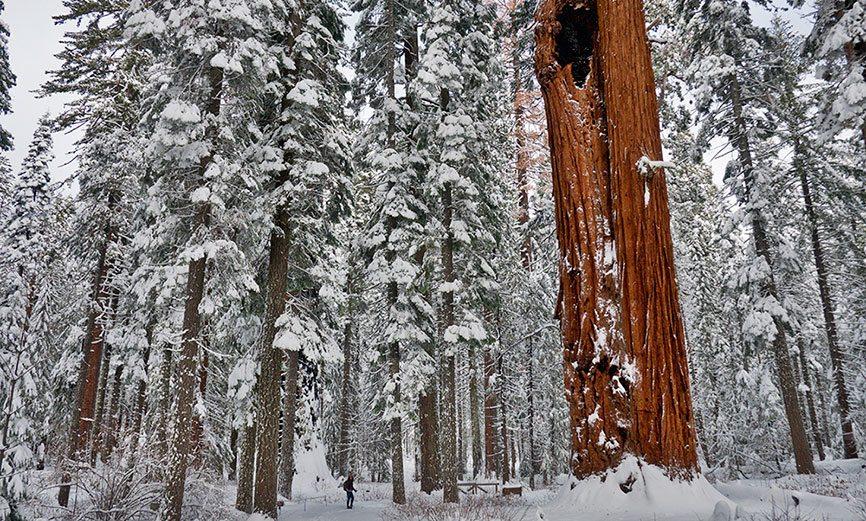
(489, 414)
(625, 362)
(88, 376)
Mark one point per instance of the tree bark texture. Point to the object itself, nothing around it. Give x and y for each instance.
(626, 375)
(270, 369)
(246, 469)
(489, 413)
(810, 402)
(290, 414)
(449, 398)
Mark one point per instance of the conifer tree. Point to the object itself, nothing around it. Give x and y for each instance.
(208, 57)
(24, 248)
(729, 67)
(387, 40)
(307, 158)
(7, 81)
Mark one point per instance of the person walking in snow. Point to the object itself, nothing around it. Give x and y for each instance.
(349, 487)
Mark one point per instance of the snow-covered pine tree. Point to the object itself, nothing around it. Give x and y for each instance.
(307, 157)
(839, 41)
(210, 66)
(818, 171)
(103, 74)
(386, 56)
(7, 80)
(459, 80)
(24, 248)
(728, 68)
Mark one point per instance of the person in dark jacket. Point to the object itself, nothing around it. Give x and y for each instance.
(349, 487)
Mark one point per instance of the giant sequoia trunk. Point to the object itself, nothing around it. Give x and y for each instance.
(187, 367)
(625, 362)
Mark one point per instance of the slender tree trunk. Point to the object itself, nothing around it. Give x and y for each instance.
(474, 406)
(270, 368)
(429, 439)
(113, 417)
(98, 421)
(187, 374)
(246, 469)
(837, 356)
(166, 373)
(88, 377)
(626, 374)
(290, 414)
(489, 413)
(449, 402)
(233, 448)
(505, 463)
(787, 379)
(197, 435)
(141, 390)
(810, 401)
(345, 388)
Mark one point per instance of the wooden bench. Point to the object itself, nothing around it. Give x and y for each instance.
(472, 487)
(512, 490)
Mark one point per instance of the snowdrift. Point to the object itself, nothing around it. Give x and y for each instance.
(633, 491)
(312, 475)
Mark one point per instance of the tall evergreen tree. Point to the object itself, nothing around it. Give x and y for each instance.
(7, 81)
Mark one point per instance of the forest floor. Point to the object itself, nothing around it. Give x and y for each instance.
(836, 493)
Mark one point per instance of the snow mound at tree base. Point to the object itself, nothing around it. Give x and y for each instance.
(636, 490)
(312, 475)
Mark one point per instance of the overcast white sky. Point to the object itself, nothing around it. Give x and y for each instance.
(32, 45)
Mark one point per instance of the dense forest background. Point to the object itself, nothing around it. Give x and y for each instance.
(305, 238)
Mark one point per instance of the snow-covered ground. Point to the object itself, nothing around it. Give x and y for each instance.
(836, 493)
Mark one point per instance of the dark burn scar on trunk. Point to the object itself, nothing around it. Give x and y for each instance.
(577, 29)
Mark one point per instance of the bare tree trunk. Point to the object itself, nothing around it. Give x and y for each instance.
(429, 439)
(618, 293)
(270, 368)
(187, 374)
(837, 356)
(810, 401)
(88, 377)
(290, 414)
(787, 379)
(489, 413)
(449, 402)
(98, 421)
(474, 406)
(246, 469)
